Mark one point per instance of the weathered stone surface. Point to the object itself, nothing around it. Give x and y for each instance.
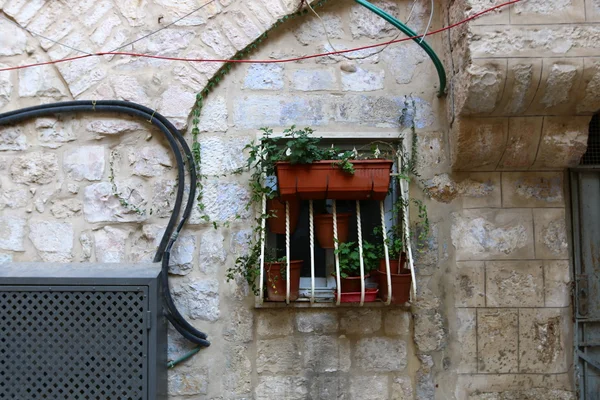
(6, 86)
(497, 340)
(149, 161)
(559, 84)
(557, 282)
(383, 111)
(224, 201)
(361, 321)
(425, 385)
(66, 208)
(430, 334)
(326, 354)
(188, 380)
(431, 153)
(402, 61)
(522, 146)
(492, 234)
(212, 252)
(54, 237)
(466, 336)
(563, 142)
(256, 111)
(281, 387)
(397, 323)
(85, 162)
(40, 82)
(401, 388)
(363, 80)
(514, 284)
(12, 233)
(380, 354)
(591, 102)
(543, 337)
(535, 189)
(310, 30)
(369, 387)
(551, 240)
(176, 103)
(317, 322)
(54, 133)
(237, 379)
(199, 299)
(469, 286)
(14, 198)
(240, 241)
(110, 244)
(308, 80)
(276, 355)
(182, 254)
(14, 39)
(365, 23)
(214, 38)
(246, 23)
(35, 167)
(213, 117)
(101, 205)
(274, 323)
(529, 394)
(485, 86)
(86, 241)
(163, 197)
(476, 143)
(133, 10)
(106, 126)
(221, 155)
(329, 386)
(5, 258)
(264, 77)
(239, 326)
(12, 138)
(477, 189)
(128, 88)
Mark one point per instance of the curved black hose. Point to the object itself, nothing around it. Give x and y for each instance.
(170, 132)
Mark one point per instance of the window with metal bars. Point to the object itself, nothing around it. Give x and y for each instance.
(592, 155)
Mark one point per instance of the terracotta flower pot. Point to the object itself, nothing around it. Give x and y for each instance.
(351, 284)
(325, 180)
(401, 284)
(396, 266)
(276, 283)
(324, 229)
(276, 223)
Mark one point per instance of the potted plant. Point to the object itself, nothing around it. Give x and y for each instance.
(324, 229)
(349, 265)
(276, 274)
(276, 213)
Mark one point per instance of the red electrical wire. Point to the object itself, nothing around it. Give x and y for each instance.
(285, 60)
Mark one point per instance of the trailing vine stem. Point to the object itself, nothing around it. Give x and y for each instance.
(212, 83)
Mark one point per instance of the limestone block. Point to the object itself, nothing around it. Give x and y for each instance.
(14, 39)
(329, 386)
(363, 80)
(188, 380)
(168, 42)
(66, 208)
(523, 76)
(546, 12)
(307, 80)
(214, 38)
(5, 258)
(380, 354)
(40, 82)
(86, 241)
(199, 298)
(107, 126)
(402, 61)
(310, 30)
(260, 13)
(23, 11)
(281, 387)
(365, 56)
(35, 168)
(277, 355)
(273, 324)
(102, 31)
(563, 142)
(513, 386)
(431, 153)
(397, 323)
(53, 133)
(221, 155)
(514, 284)
(483, 234)
(401, 388)
(478, 144)
(425, 388)
(557, 282)
(110, 244)
(380, 111)
(426, 250)
(551, 240)
(212, 252)
(182, 255)
(365, 23)
(54, 237)
(558, 88)
(128, 88)
(317, 322)
(245, 22)
(529, 394)
(523, 140)
(369, 387)
(225, 201)
(234, 34)
(470, 7)
(100, 204)
(240, 325)
(590, 103)
(361, 322)
(256, 111)
(12, 233)
(481, 93)
(6, 86)
(176, 103)
(532, 189)
(466, 337)
(213, 117)
(12, 138)
(497, 340)
(592, 9)
(14, 198)
(476, 189)
(149, 161)
(543, 338)
(85, 162)
(430, 334)
(189, 77)
(239, 241)
(237, 379)
(469, 284)
(133, 10)
(163, 197)
(80, 76)
(324, 354)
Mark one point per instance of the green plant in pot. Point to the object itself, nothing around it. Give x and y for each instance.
(349, 263)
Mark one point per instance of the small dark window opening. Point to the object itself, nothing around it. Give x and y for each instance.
(592, 155)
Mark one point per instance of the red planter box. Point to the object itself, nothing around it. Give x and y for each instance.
(354, 297)
(325, 180)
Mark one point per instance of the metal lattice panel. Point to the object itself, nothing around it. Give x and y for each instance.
(73, 343)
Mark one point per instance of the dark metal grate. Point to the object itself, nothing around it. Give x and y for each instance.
(592, 155)
(68, 343)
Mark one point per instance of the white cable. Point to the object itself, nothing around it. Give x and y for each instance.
(360, 254)
(312, 250)
(387, 254)
(336, 256)
(262, 249)
(428, 23)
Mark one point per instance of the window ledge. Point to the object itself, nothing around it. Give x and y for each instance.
(305, 303)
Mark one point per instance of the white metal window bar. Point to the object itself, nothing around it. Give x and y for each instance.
(404, 197)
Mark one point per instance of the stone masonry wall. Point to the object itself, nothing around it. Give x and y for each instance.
(492, 316)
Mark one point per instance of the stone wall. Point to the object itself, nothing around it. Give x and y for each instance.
(492, 316)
